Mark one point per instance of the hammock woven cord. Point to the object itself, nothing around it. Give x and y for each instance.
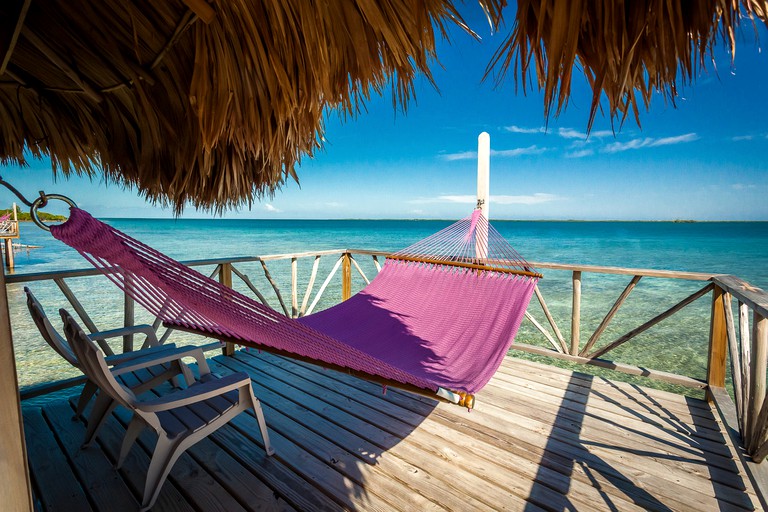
(422, 324)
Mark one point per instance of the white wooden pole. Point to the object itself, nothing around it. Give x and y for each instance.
(483, 192)
(483, 172)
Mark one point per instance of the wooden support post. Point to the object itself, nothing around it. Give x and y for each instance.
(576, 313)
(294, 288)
(225, 278)
(758, 372)
(718, 341)
(9, 264)
(346, 276)
(129, 316)
(15, 487)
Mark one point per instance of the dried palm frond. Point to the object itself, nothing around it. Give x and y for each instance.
(212, 114)
(625, 49)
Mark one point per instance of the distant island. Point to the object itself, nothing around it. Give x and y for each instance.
(24, 216)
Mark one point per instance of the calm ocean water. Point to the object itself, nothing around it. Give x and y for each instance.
(678, 344)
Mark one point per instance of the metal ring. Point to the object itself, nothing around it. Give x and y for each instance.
(42, 201)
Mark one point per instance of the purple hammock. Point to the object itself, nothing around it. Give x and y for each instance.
(438, 318)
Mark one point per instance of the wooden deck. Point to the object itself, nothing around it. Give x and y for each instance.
(540, 438)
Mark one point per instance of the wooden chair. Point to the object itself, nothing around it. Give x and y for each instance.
(180, 419)
(151, 355)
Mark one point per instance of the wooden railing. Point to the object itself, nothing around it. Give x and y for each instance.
(574, 349)
(740, 337)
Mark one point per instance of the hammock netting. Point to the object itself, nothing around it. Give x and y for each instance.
(442, 313)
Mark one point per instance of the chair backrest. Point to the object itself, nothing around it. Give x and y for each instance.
(48, 332)
(93, 364)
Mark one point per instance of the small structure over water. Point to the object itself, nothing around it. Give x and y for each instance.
(9, 230)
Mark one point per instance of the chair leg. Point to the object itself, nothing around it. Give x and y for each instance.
(132, 433)
(88, 391)
(101, 409)
(164, 457)
(262, 426)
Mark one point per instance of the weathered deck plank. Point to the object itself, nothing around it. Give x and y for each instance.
(540, 438)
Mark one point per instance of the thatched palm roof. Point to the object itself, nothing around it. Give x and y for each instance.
(215, 102)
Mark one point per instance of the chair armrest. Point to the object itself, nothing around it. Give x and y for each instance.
(128, 356)
(144, 329)
(196, 393)
(164, 356)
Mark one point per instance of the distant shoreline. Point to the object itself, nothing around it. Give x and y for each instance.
(671, 221)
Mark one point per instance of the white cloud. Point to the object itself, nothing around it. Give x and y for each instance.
(270, 208)
(503, 153)
(679, 139)
(537, 198)
(742, 186)
(333, 204)
(648, 142)
(519, 129)
(580, 153)
(466, 155)
(742, 137)
(570, 133)
(530, 150)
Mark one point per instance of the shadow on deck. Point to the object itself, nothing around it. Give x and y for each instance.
(540, 438)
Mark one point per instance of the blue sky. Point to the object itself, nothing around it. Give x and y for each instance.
(703, 160)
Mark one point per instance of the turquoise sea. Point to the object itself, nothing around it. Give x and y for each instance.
(678, 344)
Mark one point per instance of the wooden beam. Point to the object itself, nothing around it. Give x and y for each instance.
(346, 276)
(359, 270)
(576, 313)
(543, 331)
(645, 272)
(225, 278)
(718, 340)
(11, 33)
(129, 315)
(650, 323)
(746, 357)
(756, 298)
(15, 487)
(733, 352)
(608, 317)
(475, 266)
(551, 319)
(680, 380)
(250, 285)
(310, 285)
(757, 473)
(758, 366)
(274, 287)
(325, 284)
(294, 288)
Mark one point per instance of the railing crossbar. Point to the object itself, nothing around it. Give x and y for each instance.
(650, 323)
(563, 348)
(609, 316)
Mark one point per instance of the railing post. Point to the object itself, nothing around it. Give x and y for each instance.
(225, 278)
(718, 341)
(576, 313)
(15, 489)
(294, 288)
(346, 276)
(758, 366)
(129, 316)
